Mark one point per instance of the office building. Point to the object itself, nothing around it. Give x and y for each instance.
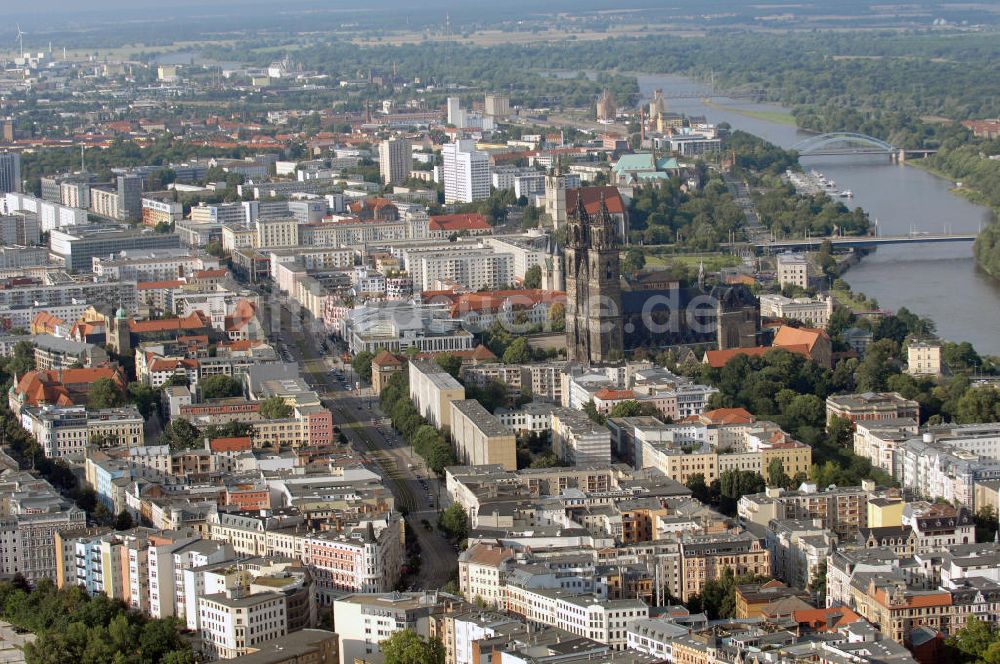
(432, 389)
(129, 189)
(466, 172)
(10, 172)
(479, 437)
(395, 160)
(79, 247)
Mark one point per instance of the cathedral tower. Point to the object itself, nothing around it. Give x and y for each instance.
(593, 287)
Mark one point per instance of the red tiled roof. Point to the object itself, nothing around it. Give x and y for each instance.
(385, 358)
(195, 321)
(728, 416)
(718, 358)
(49, 387)
(472, 221)
(788, 337)
(238, 444)
(607, 394)
(592, 199)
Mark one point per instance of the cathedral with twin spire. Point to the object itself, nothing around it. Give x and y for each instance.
(593, 286)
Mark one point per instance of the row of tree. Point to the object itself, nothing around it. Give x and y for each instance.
(427, 441)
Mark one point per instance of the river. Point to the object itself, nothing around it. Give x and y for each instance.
(939, 281)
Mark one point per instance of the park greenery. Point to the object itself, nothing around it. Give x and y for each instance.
(73, 626)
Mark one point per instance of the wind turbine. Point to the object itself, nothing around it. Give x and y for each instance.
(20, 39)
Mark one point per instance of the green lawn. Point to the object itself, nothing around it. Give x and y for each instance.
(849, 300)
(713, 262)
(781, 117)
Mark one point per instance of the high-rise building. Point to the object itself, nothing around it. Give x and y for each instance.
(497, 106)
(395, 160)
(130, 197)
(593, 287)
(455, 112)
(466, 172)
(10, 172)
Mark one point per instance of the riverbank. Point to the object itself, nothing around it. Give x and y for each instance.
(779, 117)
(968, 193)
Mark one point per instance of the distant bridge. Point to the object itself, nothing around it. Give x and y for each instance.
(852, 143)
(858, 241)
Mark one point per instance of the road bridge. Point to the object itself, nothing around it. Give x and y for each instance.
(856, 241)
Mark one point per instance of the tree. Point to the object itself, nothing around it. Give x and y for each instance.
(986, 523)
(104, 393)
(634, 261)
(557, 317)
(405, 647)
(972, 641)
(220, 386)
(275, 408)
(21, 360)
(181, 435)
(533, 277)
(519, 352)
(450, 363)
(776, 476)
(629, 408)
(699, 490)
(362, 365)
(145, 398)
(454, 522)
(123, 521)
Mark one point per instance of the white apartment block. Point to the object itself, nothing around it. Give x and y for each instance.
(50, 215)
(233, 626)
(151, 265)
(812, 312)
(604, 621)
(466, 172)
(473, 269)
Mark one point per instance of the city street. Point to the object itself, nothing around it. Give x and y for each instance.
(417, 491)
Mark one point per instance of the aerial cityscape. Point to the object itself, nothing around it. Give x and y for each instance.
(535, 333)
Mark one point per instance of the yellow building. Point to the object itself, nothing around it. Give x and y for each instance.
(796, 458)
(885, 512)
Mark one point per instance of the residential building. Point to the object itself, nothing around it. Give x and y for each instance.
(233, 625)
(923, 358)
(705, 558)
(466, 172)
(395, 160)
(31, 514)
